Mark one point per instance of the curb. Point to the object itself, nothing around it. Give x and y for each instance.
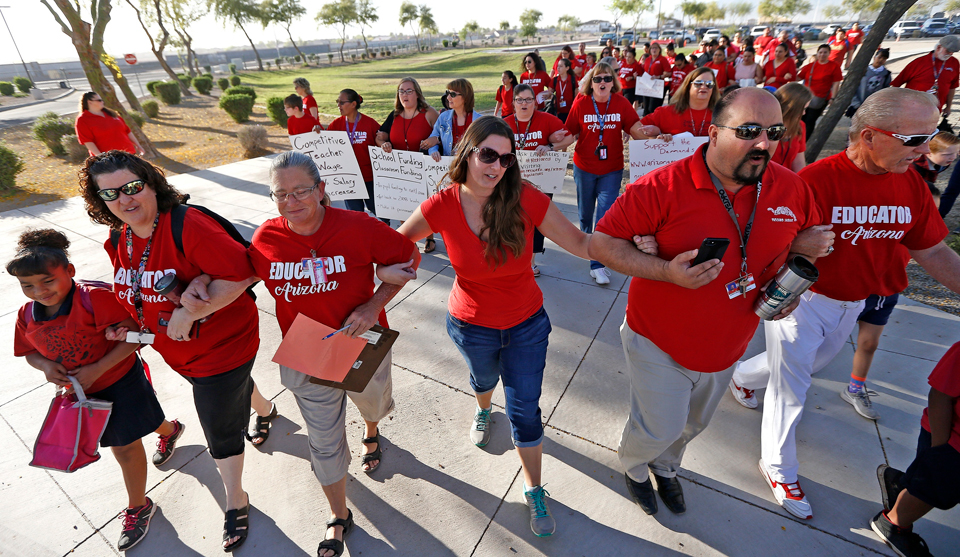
(70, 91)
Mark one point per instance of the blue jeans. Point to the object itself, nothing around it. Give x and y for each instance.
(949, 195)
(518, 355)
(357, 204)
(599, 190)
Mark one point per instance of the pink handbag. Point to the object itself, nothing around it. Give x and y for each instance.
(71, 431)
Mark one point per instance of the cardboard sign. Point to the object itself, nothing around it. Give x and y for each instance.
(647, 155)
(434, 173)
(546, 171)
(333, 154)
(649, 87)
(399, 184)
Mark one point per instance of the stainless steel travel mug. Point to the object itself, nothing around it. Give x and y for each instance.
(793, 280)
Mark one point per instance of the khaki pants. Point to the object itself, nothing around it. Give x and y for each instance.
(669, 406)
(324, 409)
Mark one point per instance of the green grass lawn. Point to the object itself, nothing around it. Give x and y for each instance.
(377, 80)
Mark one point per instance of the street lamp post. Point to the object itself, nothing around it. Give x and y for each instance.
(15, 43)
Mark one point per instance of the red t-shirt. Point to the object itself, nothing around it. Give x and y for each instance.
(74, 337)
(872, 215)
(920, 75)
(945, 378)
(772, 46)
(788, 66)
(669, 121)
(655, 66)
(723, 73)
(364, 135)
(819, 78)
(406, 135)
(231, 336)
(582, 58)
(574, 64)
(495, 297)
(761, 42)
(732, 50)
(678, 75)
(308, 103)
(538, 81)
(106, 132)
(565, 92)
(838, 49)
(352, 242)
(787, 150)
(679, 205)
(854, 37)
(505, 98)
(629, 74)
(536, 131)
(583, 121)
(305, 124)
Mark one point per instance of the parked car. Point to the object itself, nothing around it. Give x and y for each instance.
(803, 27)
(605, 36)
(936, 29)
(757, 30)
(712, 34)
(904, 28)
(627, 36)
(831, 29)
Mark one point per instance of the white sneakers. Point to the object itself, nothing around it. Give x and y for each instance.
(745, 397)
(789, 496)
(601, 275)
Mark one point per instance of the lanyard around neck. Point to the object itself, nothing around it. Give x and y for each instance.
(137, 275)
(728, 205)
(601, 119)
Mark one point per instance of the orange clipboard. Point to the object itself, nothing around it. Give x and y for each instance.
(379, 341)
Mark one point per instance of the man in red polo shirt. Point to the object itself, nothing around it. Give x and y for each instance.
(855, 35)
(935, 72)
(675, 389)
(875, 206)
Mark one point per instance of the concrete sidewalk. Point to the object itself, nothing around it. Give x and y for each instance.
(437, 494)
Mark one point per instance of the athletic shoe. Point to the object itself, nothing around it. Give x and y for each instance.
(541, 522)
(743, 396)
(860, 401)
(136, 524)
(789, 496)
(902, 541)
(166, 445)
(601, 275)
(890, 487)
(480, 430)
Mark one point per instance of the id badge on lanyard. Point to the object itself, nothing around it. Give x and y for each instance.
(315, 268)
(601, 148)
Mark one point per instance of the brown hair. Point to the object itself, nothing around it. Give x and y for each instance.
(504, 220)
(293, 101)
(462, 86)
(601, 67)
(38, 252)
(112, 161)
(793, 99)
(681, 99)
(85, 103)
(421, 102)
(943, 141)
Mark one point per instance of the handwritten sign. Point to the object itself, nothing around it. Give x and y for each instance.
(336, 161)
(434, 173)
(647, 155)
(399, 184)
(649, 87)
(546, 170)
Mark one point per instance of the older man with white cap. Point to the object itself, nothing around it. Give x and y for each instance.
(936, 72)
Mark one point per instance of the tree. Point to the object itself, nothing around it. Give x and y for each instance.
(85, 38)
(952, 6)
(860, 6)
(739, 10)
(153, 13)
(528, 22)
(471, 27)
(694, 10)
(284, 12)
(339, 14)
(408, 15)
(427, 24)
(782, 9)
(183, 13)
(567, 23)
(892, 11)
(834, 12)
(714, 13)
(632, 7)
(238, 12)
(366, 16)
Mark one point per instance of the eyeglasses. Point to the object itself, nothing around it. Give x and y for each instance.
(527, 61)
(707, 84)
(487, 155)
(453, 94)
(523, 100)
(404, 92)
(752, 131)
(96, 100)
(603, 78)
(299, 195)
(341, 103)
(130, 188)
(908, 140)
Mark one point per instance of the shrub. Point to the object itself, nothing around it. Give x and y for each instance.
(353, 57)
(510, 40)
(23, 84)
(296, 58)
(152, 87)
(233, 69)
(168, 92)
(446, 43)
(151, 108)
(235, 80)
(48, 129)
(238, 106)
(10, 165)
(363, 56)
(223, 83)
(76, 151)
(253, 139)
(136, 117)
(242, 90)
(278, 61)
(276, 112)
(268, 64)
(207, 74)
(6, 88)
(208, 69)
(203, 85)
(330, 57)
(185, 79)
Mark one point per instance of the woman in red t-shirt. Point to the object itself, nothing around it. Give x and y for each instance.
(781, 70)
(100, 129)
(823, 78)
(504, 106)
(630, 70)
(566, 53)
(794, 98)
(302, 87)
(487, 217)
(215, 356)
(657, 66)
(690, 109)
(723, 70)
(362, 133)
(299, 121)
(535, 75)
(565, 85)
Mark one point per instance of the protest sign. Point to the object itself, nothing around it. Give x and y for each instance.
(399, 185)
(333, 154)
(546, 170)
(649, 87)
(433, 173)
(647, 155)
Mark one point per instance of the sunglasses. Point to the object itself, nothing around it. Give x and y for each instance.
(453, 94)
(130, 188)
(341, 103)
(908, 140)
(604, 79)
(752, 131)
(701, 84)
(487, 155)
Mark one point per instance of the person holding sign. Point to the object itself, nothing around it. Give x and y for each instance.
(362, 132)
(299, 121)
(452, 124)
(746, 71)
(535, 75)
(302, 87)
(794, 99)
(630, 70)
(781, 70)
(496, 317)
(658, 67)
(690, 110)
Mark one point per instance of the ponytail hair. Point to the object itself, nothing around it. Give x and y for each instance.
(39, 251)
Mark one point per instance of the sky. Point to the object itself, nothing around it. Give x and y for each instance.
(40, 39)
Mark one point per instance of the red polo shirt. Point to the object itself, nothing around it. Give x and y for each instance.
(919, 75)
(703, 329)
(106, 132)
(819, 78)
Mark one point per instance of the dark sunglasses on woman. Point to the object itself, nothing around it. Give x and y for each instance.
(487, 155)
(130, 188)
(603, 78)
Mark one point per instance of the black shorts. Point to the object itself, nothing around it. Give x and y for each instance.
(630, 94)
(223, 408)
(877, 309)
(932, 476)
(136, 410)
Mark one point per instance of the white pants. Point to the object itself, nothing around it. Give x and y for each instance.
(798, 346)
(669, 406)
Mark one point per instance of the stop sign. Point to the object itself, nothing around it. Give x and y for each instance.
(130, 59)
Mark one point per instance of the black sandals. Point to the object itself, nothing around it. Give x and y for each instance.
(261, 430)
(236, 523)
(336, 545)
(375, 455)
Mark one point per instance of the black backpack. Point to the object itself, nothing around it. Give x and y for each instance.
(178, 213)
